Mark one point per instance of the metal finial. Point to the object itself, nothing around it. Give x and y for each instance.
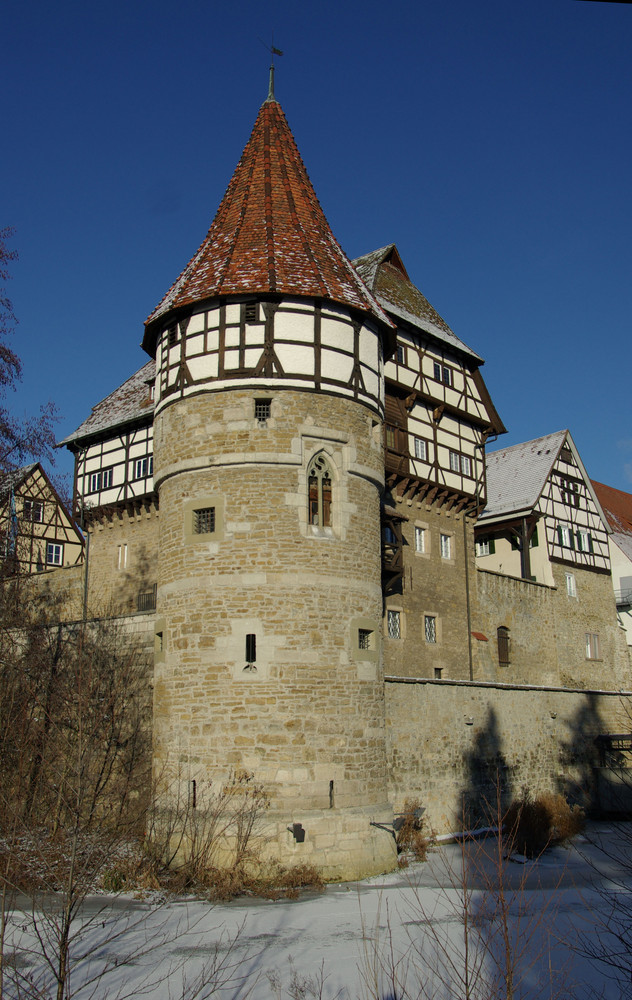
(273, 52)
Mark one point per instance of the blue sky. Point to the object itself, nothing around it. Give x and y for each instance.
(492, 142)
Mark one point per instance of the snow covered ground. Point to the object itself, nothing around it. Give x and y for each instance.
(400, 935)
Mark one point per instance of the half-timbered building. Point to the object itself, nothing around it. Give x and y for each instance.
(438, 417)
(36, 531)
(544, 529)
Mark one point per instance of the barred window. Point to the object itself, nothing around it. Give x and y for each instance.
(394, 625)
(204, 521)
(262, 410)
(365, 638)
(430, 628)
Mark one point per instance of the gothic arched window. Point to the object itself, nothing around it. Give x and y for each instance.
(319, 492)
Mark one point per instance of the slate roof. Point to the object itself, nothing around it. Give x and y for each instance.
(270, 235)
(617, 506)
(516, 475)
(385, 275)
(126, 404)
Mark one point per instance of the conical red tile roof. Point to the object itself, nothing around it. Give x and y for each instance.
(269, 235)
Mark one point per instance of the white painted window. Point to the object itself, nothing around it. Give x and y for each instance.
(584, 541)
(593, 646)
(442, 374)
(466, 465)
(571, 585)
(446, 546)
(565, 536)
(430, 628)
(420, 539)
(54, 554)
(394, 624)
(482, 547)
(420, 449)
(455, 464)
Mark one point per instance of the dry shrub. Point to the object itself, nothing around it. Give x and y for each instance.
(410, 836)
(532, 825)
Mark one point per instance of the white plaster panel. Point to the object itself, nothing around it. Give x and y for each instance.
(231, 359)
(336, 334)
(195, 344)
(331, 309)
(252, 356)
(371, 382)
(296, 360)
(369, 345)
(233, 312)
(196, 323)
(203, 367)
(232, 336)
(289, 326)
(212, 318)
(212, 340)
(336, 366)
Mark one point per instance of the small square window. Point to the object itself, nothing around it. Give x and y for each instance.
(438, 672)
(571, 585)
(446, 546)
(420, 539)
(420, 449)
(394, 625)
(204, 521)
(262, 410)
(54, 554)
(430, 628)
(366, 638)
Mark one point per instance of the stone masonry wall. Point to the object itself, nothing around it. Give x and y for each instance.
(123, 558)
(448, 741)
(307, 718)
(435, 586)
(547, 631)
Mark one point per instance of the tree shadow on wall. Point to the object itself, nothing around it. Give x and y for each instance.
(488, 787)
(590, 769)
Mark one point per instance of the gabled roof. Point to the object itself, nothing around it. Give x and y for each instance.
(11, 480)
(126, 404)
(617, 507)
(270, 235)
(385, 275)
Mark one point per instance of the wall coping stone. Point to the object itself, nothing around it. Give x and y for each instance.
(502, 686)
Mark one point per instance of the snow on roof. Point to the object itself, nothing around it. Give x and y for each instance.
(270, 235)
(127, 403)
(385, 275)
(516, 475)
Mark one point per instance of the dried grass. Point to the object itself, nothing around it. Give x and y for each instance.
(534, 824)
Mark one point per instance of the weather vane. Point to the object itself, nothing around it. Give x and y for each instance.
(273, 52)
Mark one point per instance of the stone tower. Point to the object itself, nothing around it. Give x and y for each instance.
(268, 460)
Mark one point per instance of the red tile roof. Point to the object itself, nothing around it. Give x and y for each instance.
(617, 507)
(270, 235)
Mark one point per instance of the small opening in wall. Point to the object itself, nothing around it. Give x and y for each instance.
(193, 793)
(251, 651)
(366, 638)
(250, 312)
(331, 794)
(438, 671)
(262, 411)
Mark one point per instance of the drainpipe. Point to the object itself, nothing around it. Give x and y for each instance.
(467, 597)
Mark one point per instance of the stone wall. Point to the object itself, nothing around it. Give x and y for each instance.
(432, 585)
(547, 631)
(448, 741)
(122, 559)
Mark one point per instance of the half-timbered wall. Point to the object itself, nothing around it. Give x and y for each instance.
(436, 420)
(42, 536)
(569, 529)
(116, 468)
(308, 345)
